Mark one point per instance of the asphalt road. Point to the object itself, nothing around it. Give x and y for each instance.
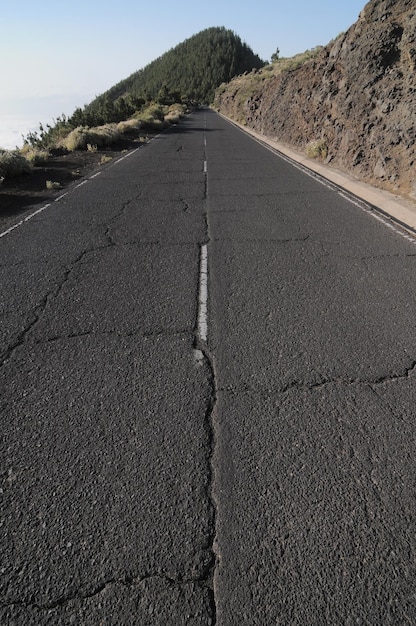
(207, 397)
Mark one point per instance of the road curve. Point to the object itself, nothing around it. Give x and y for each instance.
(207, 396)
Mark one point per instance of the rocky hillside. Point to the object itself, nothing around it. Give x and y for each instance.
(355, 101)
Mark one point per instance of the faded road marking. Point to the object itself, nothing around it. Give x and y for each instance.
(203, 295)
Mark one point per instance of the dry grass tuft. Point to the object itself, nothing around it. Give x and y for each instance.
(35, 156)
(50, 184)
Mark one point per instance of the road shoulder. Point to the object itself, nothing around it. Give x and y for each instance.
(400, 209)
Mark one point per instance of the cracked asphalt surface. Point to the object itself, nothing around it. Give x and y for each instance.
(271, 481)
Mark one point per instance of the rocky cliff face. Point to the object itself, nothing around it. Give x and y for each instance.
(356, 98)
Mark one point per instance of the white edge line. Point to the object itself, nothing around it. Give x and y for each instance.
(26, 219)
(362, 204)
(9, 230)
(83, 182)
(29, 217)
(127, 155)
(60, 197)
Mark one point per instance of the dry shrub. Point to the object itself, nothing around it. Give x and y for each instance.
(317, 149)
(35, 156)
(129, 125)
(76, 140)
(174, 114)
(12, 163)
(99, 136)
(153, 118)
(152, 124)
(154, 112)
(51, 184)
(104, 135)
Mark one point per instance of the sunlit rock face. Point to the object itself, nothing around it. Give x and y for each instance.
(357, 97)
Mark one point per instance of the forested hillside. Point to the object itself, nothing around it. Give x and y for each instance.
(190, 71)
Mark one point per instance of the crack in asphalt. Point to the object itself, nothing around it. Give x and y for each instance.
(263, 240)
(40, 308)
(201, 348)
(299, 385)
(381, 380)
(186, 207)
(206, 574)
(115, 217)
(391, 378)
(154, 243)
(129, 582)
(209, 575)
(38, 312)
(7, 354)
(186, 333)
(384, 256)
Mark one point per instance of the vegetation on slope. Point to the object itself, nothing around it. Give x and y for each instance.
(248, 84)
(65, 137)
(149, 99)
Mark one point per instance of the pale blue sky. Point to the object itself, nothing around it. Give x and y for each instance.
(57, 55)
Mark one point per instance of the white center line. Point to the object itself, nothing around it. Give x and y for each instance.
(203, 295)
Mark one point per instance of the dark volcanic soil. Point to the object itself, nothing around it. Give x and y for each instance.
(18, 195)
